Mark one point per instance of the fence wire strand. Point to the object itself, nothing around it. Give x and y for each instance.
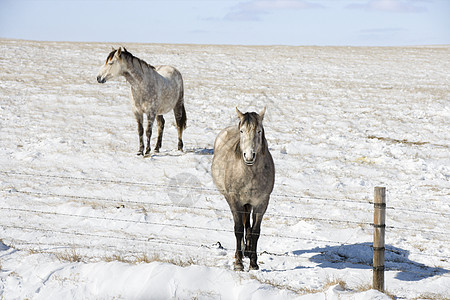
(200, 189)
(214, 191)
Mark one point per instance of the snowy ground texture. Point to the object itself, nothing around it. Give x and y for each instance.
(83, 217)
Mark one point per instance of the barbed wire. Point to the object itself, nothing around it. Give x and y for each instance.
(417, 211)
(201, 189)
(165, 186)
(209, 246)
(397, 251)
(96, 235)
(213, 190)
(121, 201)
(166, 224)
(303, 218)
(418, 230)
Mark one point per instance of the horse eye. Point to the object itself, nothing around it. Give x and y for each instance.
(242, 131)
(259, 131)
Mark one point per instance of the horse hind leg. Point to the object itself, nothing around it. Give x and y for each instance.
(140, 120)
(161, 122)
(180, 117)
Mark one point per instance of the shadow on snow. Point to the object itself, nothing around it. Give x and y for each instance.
(359, 256)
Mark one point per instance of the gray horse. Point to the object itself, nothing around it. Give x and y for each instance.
(154, 91)
(243, 171)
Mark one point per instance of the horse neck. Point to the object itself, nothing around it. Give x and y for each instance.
(136, 69)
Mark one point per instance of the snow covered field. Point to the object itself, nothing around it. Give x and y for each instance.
(81, 216)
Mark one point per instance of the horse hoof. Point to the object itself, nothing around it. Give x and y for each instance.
(238, 267)
(140, 153)
(254, 266)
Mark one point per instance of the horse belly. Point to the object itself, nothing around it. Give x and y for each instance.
(171, 89)
(165, 106)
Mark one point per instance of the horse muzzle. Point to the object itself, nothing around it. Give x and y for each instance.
(249, 163)
(249, 160)
(100, 79)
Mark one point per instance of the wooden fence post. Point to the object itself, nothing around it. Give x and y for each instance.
(379, 225)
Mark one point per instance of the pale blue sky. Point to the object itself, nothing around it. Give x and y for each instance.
(248, 22)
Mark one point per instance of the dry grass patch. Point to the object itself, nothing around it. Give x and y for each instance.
(301, 291)
(144, 258)
(69, 256)
(332, 282)
(431, 296)
(304, 290)
(396, 141)
(363, 287)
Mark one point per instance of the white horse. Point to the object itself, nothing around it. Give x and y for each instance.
(244, 172)
(154, 91)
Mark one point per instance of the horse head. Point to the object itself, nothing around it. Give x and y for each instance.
(251, 135)
(113, 67)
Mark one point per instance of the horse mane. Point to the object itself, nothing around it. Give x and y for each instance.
(237, 148)
(252, 119)
(130, 57)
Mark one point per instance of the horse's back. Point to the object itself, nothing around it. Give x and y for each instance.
(171, 89)
(168, 72)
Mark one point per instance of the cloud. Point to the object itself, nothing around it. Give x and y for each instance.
(252, 10)
(398, 6)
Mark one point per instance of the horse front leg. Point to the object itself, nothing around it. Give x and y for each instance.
(258, 214)
(248, 229)
(150, 120)
(239, 234)
(139, 120)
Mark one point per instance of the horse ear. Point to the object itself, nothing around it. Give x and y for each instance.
(112, 48)
(262, 113)
(240, 115)
(119, 52)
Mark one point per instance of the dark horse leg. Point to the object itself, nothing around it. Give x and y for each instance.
(248, 229)
(180, 117)
(150, 120)
(236, 210)
(140, 120)
(161, 122)
(258, 213)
